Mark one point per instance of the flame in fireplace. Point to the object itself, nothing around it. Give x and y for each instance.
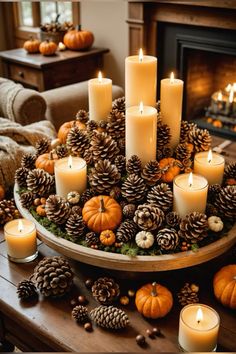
(231, 95)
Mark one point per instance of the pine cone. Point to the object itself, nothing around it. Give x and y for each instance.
(104, 176)
(193, 227)
(105, 290)
(129, 210)
(211, 210)
(134, 165)
(91, 126)
(183, 154)
(213, 191)
(148, 217)
(119, 104)
(116, 125)
(151, 173)
(133, 189)
(163, 135)
(188, 294)
(40, 182)
(77, 141)
(230, 171)
(21, 176)
(186, 128)
(26, 199)
(103, 147)
(75, 227)
(102, 125)
(80, 314)
(109, 317)
(53, 276)
(162, 196)
(201, 139)
(28, 161)
(86, 195)
(57, 209)
(62, 151)
(8, 211)
(115, 193)
(91, 238)
(82, 116)
(26, 289)
(226, 202)
(120, 162)
(88, 156)
(173, 219)
(126, 231)
(167, 239)
(121, 146)
(42, 146)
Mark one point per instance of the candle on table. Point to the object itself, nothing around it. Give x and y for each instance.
(198, 328)
(141, 128)
(190, 194)
(171, 106)
(20, 236)
(140, 80)
(100, 97)
(210, 165)
(70, 175)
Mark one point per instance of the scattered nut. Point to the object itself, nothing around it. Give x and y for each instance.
(37, 202)
(43, 201)
(131, 293)
(157, 332)
(88, 327)
(124, 300)
(140, 339)
(150, 333)
(82, 300)
(89, 283)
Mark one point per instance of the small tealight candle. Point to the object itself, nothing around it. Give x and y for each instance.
(20, 236)
(210, 165)
(190, 194)
(198, 328)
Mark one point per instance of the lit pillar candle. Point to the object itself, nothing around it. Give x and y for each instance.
(171, 106)
(198, 328)
(70, 175)
(20, 236)
(140, 80)
(210, 165)
(141, 128)
(100, 97)
(190, 194)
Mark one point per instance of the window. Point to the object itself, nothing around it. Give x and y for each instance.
(26, 18)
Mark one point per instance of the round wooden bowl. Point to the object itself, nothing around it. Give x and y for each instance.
(125, 263)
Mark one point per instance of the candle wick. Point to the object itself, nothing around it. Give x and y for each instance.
(209, 160)
(198, 321)
(190, 184)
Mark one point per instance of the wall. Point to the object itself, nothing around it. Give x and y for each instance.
(2, 34)
(107, 20)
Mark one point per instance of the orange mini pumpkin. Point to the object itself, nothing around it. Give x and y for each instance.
(153, 300)
(40, 210)
(102, 213)
(78, 39)
(170, 168)
(47, 47)
(107, 237)
(46, 162)
(66, 127)
(32, 45)
(2, 192)
(224, 284)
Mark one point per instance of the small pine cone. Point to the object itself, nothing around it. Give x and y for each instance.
(21, 176)
(193, 227)
(120, 162)
(26, 289)
(88, 156)
(104, 176)
(82, 116)
(116, 124)
(77, 141)
(80, 313)
(91, 126)
(129, 210)
(42, 146)
(133, 189)
(115, 193)
(109, 317)
(40, 182)
(76, 209)
(119, 104)
(188, 294)
(159, 154)
(183, 153)
(8, 211)
(91, 238)
(134, 165)
(151, 172)
(28, 161)
(213, 191)
(201, 139)
(57, 209)
(105, 290)
(75, 227)
(126, 231)
(186, 128)
(121, 145)
(226, 202)
(62, 151)
(26, 199)
(173, 219)
(230, 171)
(53, 276)
(86, 195)
(161, 196)
(167, 151)
(163, 135)
(103, 147)
(148, 217)
(167, 239)
(102, 125)
(211, 210)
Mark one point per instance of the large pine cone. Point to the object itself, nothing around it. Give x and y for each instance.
(82, 116)
(40, 182)
(80, 314)
(103, 147)
(104, 176)
(120, 162)
(21, 176)
(133, 189)
(201, 139)
(173, 219)
(105, 290)
(116, 124)
(26, 199)
(26, 289)
(230, 171)
(8, 211)
(75, 227)
(167, 239)
(126, 231)
(162, 196)
(188, 294)
(77, 141)
(193, 227)
(226, 202)
(151, 172)
(148, 217)
(134, 165)
(186, 128)
(163, 135)
(53, 276)
(119, 104)
(109, 317)
(57, 209)
(42, 146)
(28, 161)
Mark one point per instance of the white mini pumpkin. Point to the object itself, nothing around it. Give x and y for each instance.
(144, 239)
(215, 223)
(73, 197)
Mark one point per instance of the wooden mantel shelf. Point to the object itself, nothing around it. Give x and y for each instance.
(226, 4)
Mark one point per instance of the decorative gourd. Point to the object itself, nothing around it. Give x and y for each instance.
(2, 192)
(215, 223)
(224, 284)
(102, 213)
(153, 300)
(73, 197)
(78, 39)
(55, 143)
(47, 47)
(66, 127)
(107, 237)
(32, 45)
(171, 167)
(46, 162)
(144, 239)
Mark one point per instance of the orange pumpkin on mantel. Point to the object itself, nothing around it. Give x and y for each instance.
(224, 284)
(170, 168)
(66, 127)
(78, 39)
(48, 48)
(46, 162)
(32, 45)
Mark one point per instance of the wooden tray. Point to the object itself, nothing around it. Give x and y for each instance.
(125, 263)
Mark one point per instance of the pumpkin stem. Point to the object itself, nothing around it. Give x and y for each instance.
(78, 27)
(50, 155)
(57, 18)
(154, 291)
(102, 208)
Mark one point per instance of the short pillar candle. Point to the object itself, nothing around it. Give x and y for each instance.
(210, 165)
(21, 241)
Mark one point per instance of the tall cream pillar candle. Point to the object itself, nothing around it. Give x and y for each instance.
(141, 128)
(210, 165)
(171, 106)
(140, 80)
(100, 98)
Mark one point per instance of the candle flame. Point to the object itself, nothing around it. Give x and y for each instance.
(231, 95)
(209, 157)
(219, 97)
(228, 88)
(190, 179)
(140, 56)
(172, 78)
(20, 226)
(70, 162)
(141, 107)
(199, 316)
(100, 76)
